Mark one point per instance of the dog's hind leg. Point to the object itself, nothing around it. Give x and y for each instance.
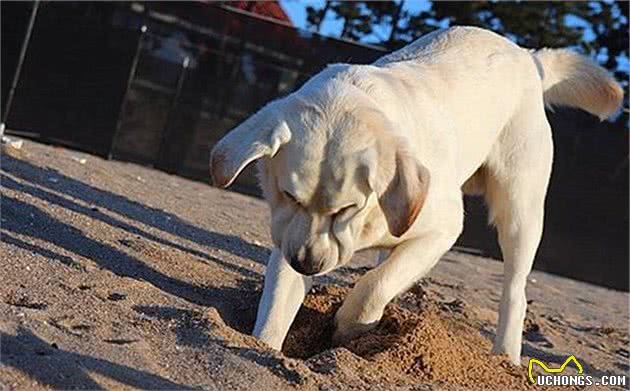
(282, 297)
(516, 178)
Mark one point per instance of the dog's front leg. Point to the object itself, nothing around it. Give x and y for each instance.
(282, 297)
(363, 308)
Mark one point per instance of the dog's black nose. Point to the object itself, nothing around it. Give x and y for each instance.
(307, 268)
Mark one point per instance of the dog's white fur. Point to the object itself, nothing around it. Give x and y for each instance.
(377, 156)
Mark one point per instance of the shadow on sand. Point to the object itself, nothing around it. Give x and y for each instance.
(33, 356)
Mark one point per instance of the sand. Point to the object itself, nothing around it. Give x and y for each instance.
(430, 345)
(116, 276)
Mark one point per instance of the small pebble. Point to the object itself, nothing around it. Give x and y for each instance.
(115, 296)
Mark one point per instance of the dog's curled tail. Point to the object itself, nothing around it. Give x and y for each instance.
(570, 79)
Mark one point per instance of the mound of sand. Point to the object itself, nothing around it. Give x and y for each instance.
(430, 346)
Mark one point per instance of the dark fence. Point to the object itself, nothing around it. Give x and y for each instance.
(73, 76)
(160, 83)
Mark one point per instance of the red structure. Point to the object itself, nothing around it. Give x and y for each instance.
(269, 9)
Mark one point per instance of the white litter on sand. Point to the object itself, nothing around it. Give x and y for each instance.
(79, 160)
(15, 144)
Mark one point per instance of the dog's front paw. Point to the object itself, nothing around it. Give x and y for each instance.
(269, 336)
(513, 351)
(348, 327)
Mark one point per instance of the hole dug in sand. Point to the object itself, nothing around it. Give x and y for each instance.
(433, 346)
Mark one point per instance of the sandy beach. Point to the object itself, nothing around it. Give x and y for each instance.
(117, 276)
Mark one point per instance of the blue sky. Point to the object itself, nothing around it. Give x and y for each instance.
(296, 9)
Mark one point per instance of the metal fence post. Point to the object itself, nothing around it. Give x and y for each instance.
(132, 74)
(162, 158)
(18, 69)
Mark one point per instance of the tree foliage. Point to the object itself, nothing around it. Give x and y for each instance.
(358, 17)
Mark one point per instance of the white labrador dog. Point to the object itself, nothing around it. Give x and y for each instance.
(377, 156)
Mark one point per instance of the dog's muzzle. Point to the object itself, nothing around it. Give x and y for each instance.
(304, 262)
(306, 268)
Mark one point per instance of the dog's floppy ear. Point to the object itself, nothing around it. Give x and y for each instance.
(260, 135)
(403, 197)
(400, 182)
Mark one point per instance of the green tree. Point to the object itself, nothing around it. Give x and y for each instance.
(359, 17)
(530, 24)
(315, 17)
(609, 21)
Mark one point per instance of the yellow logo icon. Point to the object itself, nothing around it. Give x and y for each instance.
(545, 368)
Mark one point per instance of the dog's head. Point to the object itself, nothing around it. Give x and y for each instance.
(334, 174)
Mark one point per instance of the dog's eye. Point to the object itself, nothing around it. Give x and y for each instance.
(344, 209)
(291, 197)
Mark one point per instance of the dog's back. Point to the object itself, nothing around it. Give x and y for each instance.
(480, 82)
(568, 79)
(446, 42)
